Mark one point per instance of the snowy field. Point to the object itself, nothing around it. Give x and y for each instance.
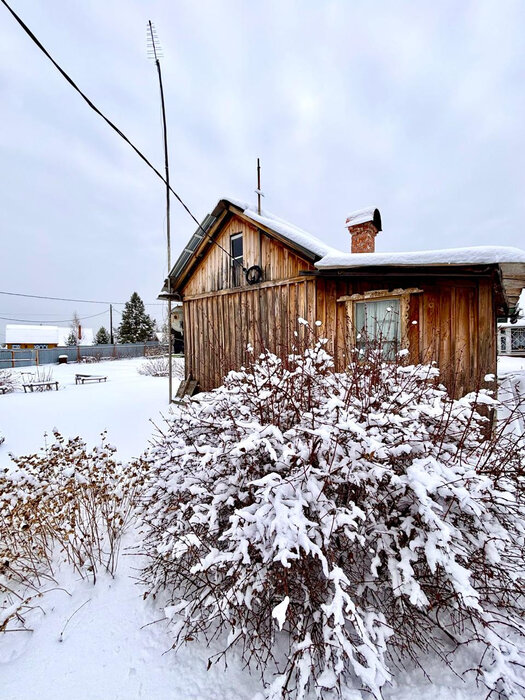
(106, 652)
(123, 405)
(96, 642)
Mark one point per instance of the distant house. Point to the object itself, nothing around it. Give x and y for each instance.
(40, 337)
(511, 331)
(511, 338)
(245, 278)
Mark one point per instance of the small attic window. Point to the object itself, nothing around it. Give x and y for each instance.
(236, 251)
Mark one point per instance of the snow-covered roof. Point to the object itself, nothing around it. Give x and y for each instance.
(17, 333)
(512, 260)
(520, 323)
(284, 228)
(477, 255)
(361, 216)
(50, 335)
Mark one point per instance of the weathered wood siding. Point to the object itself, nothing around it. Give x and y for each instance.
(219, 327)
(455, 324)
(455, 318)
(215, 271)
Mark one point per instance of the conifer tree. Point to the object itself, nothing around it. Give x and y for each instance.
(72, 338)
(102, 337)
(136, 325)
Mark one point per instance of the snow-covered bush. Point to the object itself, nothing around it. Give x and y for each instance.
(9, 381)
(159, 366)
(63, 504)
(336, 525)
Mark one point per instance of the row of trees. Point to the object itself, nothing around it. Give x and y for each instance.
(136, 326)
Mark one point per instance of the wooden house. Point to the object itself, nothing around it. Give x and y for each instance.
(246, 278)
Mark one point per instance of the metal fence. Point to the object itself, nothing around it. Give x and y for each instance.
(78, 353)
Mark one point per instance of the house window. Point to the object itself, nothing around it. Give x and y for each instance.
(236, 250)
(378, 323)
(518, 339)
(380, 317)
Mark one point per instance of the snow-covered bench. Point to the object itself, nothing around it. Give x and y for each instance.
(40, 386)
(83, 378)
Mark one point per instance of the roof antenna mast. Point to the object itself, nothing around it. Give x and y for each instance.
(258, 191)
(155, 52)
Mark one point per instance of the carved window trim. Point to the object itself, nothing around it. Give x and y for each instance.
(403, 295)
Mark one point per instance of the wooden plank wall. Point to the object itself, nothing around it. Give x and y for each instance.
(455, 325)
(214, 272)
(219, 327)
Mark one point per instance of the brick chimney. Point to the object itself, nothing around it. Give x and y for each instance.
(364, 225)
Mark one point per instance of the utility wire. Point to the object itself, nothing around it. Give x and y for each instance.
(117, 130)
(39, 323)
(80, 301)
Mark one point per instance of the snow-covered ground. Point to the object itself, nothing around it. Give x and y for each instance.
(509, 365)
(107, 652)
(102, 651)
(123, 405)
(511, 375)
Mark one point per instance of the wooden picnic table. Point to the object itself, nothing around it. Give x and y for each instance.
(83, 378)
(40, 386)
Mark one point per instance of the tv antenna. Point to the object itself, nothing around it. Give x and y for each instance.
(155, 52)
(258, 191)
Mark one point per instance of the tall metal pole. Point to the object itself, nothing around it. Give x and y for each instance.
(258, 186)
(111, 324)
(154, 42)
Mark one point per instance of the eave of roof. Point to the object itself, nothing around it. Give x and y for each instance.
(511, 261)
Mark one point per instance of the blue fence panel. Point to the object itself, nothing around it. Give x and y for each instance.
(49, 356)
(16, 358)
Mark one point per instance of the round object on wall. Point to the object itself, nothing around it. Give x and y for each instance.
(254, 274)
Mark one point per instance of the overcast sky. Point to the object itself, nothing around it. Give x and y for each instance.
(415, 107)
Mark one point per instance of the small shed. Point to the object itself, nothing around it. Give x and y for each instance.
(245, 278)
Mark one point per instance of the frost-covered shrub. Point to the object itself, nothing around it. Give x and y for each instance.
(65, 503)
(159, 366)
(336, 525)
(9, 381)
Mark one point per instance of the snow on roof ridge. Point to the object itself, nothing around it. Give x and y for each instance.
(334, 258)
(446, 256)
(42, 333)
(295, 234)
(361, 216)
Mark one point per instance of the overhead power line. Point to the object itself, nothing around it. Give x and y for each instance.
(117, 130)
(79, 301)
(39, 323)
